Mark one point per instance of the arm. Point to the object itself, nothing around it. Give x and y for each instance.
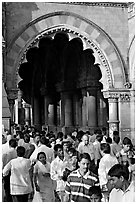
(67, 191)
(54, 172)
(7, 169)
(35, 176)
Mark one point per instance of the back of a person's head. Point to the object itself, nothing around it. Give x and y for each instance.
(115, 132)
(99, 137)
(60, 135)
(105, 147)
(20, 151)
(88, 132)
(84, 156)
(116, 138)
(104, 130)
(13, 143)
(58, 146)
(119, 170)
(109, 140)
(95, 190)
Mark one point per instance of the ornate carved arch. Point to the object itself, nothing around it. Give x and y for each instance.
(99, 41)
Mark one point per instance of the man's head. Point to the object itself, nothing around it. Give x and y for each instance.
(105, 148)
(117, 176)
(59, 150)
(20, 151)
(13, 143)
(84, 162)
(95, 194)
(85, 139)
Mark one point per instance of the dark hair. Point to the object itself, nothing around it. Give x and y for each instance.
(26, 138)
(104, 129)
(127, 141)
(72, 150)
(119, 170)
(95, 190)
(115, 132)
(41, 153)
(116, 138)
(109, 140)
(44, 140)
(13, 143)
(99, 137)
(84, 156)
(20, 151)
(105, 147)
(58, 146)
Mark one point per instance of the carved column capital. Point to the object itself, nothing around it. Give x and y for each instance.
(12, 94)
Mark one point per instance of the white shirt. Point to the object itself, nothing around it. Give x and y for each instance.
(117, 195)
(20, 182)
(56, 170)
(43, 148)
(87, 149)
(9, 155)
(105, 164)
(97, 150)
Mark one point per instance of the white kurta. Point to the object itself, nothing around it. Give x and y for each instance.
(20, 182)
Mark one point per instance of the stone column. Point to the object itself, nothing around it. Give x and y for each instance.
(36, 113)
(46, 112)
(62, 110)
(92, 107)
(27, 113)
(51, 115)
(113, 115)
(101, 110)
(68, 110)
(84, 108)
(11, 107)
(76, 109)
(16, 111)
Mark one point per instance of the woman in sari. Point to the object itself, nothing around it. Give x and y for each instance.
(42, 181)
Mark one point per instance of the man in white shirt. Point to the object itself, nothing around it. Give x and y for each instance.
(57, 168)
(86, 147)
(106, 162)
(20, 179)
(7, 157)
(123, 190)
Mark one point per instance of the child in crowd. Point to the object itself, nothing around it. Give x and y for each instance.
(95, 194)
(126, 152)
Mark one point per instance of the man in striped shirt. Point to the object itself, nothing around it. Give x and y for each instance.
(80, 180)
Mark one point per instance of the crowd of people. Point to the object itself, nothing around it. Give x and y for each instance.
(76, 167)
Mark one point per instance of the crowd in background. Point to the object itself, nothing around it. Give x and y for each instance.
(79, 167)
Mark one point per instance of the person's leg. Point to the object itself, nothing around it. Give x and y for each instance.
(20, 198)
(61, 195)
(6, 180)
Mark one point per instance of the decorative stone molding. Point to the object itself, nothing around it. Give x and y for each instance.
(12, 94)
(105, 4)
(128, 85)
(131, 10)
(122, 95)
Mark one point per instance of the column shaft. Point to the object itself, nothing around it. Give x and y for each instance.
(68, 110)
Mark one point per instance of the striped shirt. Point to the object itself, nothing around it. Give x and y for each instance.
(77, 186)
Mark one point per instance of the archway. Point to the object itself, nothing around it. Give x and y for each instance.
(76, 25)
